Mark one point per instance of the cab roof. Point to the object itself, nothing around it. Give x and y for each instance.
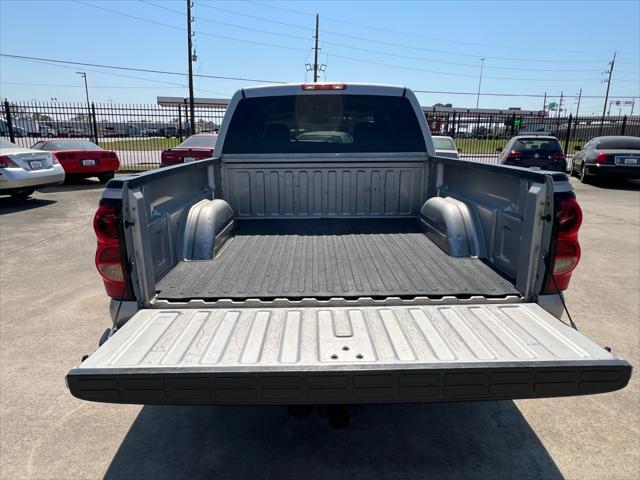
(322, 88)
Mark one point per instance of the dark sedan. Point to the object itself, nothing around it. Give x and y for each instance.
(607, 156)
(541, 152)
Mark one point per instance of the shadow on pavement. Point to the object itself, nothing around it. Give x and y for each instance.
(74, 185)
(616, 184)
(450, 440)
(9, 205)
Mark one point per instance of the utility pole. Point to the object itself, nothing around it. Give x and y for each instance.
(315, 50)
(90, 115)
(606, 98)
(544, 102)
(560, 104)
(633, 103)
(480, 82)
(86, 89)
(578, 107)
(192, 114)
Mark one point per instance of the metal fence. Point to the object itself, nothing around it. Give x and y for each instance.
(139, 133)
(479, 136)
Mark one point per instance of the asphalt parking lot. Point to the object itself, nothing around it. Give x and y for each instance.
(53, 309)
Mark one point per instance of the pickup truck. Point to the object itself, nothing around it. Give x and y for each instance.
(326, 256)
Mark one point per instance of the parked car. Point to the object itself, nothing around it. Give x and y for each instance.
(22, 170)
(149, 132)
(17, 130)
(312, 273)
(169, 132)
(47, 132)
(82, 158)
(445, 146)
(196, 147)
(540, 152)
(607, 156)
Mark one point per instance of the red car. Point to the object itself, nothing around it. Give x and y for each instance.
(196, 147)
(82, 158)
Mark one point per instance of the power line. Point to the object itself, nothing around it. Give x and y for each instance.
(416, 35)
(492, 67)
(163, 72)
(142, 19)
(112, 74)
(413, 47)
(527, 95)
(336, 44)
(133, 69)
(226, 24)
(458, 74)
(352, 47)
(62, 85)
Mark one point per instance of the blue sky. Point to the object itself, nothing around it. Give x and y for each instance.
(530, 47)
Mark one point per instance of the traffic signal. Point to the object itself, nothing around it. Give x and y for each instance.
(517, 122)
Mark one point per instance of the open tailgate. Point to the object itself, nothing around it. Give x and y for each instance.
(345, 355)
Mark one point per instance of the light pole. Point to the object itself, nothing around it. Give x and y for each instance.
(86, 88)
(92, 125)
(578, 107)
(480, 81)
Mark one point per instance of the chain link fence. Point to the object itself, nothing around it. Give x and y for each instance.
(139, 133)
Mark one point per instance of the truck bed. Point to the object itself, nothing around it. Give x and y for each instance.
(330, 258)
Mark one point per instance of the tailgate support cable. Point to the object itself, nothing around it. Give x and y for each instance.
(555, 285)
(573, 325)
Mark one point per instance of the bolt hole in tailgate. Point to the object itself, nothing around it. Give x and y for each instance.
(345, 355)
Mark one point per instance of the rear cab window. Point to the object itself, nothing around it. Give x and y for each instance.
(70, 145)
(324, 124)
(537, 144)
(206, 141)
(629, 143)
(443, 144)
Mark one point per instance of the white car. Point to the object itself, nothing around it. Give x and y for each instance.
(22, 170)
(445, 147)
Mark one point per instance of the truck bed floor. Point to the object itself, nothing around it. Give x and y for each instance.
(330, 258)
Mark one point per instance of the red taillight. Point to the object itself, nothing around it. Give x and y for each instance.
(557, 156)
(110, 260)
(6, 162)
(514, 154)
(567, 248)
(323, 86)
(602, 158)
(565, 261)
(570, 217)
(106, 224)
